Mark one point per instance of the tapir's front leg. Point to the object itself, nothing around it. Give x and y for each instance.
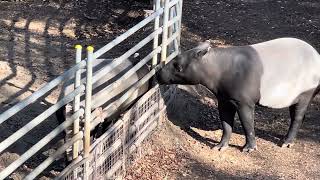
(227, 112)
(246, 115)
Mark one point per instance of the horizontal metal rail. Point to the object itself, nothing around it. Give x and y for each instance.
(107, 134)
(28, 127)
(173, 37)
(114, 106)
(116, 145)
(172, 56)
(67, 169)
(142, 133)
(35, 148)
(103, 95)
(114, 168)
(39, 93)
(125, 56)
(143, 118)
(174, 20)
(142, 136)
(54, 156)
(172, 3)
(147, 95)
(127, 34)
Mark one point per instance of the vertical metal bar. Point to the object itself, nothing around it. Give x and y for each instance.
(76, 102)
(165, 31)
(88, 102)
(156, 6)
(180, 21)
(176, 25)
(87, 111)
(173, 46)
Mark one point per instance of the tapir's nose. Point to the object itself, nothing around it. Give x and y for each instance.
(158, 77)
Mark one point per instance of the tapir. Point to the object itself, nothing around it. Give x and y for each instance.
(98, 93)
(278, 73)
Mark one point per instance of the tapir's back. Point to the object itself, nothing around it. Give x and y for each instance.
(290, 67)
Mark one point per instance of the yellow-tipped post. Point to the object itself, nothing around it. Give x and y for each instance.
(76, 102)
(90, 48)
(87, 110)
(88, 102)
(78, 46)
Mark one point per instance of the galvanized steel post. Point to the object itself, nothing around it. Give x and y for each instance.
(87, 111)
(76, 102)
(156, 6)
(171, 28)
(179, 13)
(165, 32)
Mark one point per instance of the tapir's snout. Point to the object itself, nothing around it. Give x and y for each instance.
(162, 76)
(159, 77)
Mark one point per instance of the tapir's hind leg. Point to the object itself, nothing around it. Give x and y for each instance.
(297, 114)
(246, 116)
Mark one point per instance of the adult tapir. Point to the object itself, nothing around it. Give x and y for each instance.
(279, 73)
(99, 94)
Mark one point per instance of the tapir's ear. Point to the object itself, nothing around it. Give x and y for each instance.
(202, 48)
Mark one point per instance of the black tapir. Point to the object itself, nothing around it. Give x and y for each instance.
(279, 73)
(98, 93)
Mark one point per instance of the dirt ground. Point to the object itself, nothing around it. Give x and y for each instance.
(36, 45)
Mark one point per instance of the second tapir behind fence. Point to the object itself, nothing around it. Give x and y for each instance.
(102, 98)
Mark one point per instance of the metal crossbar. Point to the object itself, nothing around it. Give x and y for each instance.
(39, 93)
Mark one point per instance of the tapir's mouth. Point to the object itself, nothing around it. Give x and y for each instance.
(160, 79)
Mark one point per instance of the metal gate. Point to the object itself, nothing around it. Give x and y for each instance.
(109, 155)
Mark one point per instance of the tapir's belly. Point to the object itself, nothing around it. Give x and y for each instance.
(290, 67)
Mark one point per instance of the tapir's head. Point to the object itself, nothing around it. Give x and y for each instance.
(184, 69)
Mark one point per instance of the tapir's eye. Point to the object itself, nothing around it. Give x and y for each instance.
(177, 67)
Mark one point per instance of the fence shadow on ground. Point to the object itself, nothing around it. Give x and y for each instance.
(39, 37)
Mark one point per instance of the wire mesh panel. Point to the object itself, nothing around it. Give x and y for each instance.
(119, 147)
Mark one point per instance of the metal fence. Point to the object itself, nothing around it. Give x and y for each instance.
(110, 154)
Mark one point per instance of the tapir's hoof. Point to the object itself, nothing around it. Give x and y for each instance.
(287, 145)
(249, 148)
(220, 147)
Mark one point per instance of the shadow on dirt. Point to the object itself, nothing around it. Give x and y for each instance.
(188, 111)
(198, 170)
(39, 36)
(32, 137)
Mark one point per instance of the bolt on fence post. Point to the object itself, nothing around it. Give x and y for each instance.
(87, 111)
(165, 32)
(76, 102)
